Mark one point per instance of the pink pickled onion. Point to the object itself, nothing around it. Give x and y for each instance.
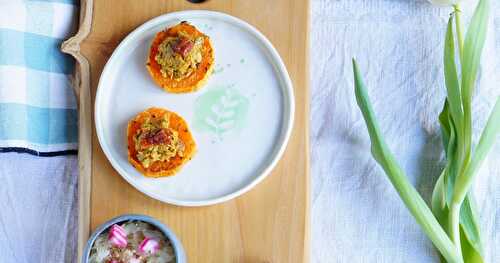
(119, 229)
(117, 236)
(149, 245)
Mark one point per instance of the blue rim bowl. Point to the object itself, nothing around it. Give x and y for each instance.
(180, 255)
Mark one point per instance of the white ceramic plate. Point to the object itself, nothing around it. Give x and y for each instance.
(241, 119)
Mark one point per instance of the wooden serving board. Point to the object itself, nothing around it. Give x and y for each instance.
(268, 224)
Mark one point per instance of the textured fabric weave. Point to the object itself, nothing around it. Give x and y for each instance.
(39, 204)
(356, 213)
(37, 104)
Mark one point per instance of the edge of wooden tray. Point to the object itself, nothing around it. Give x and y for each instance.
(81, 86)
(307, 106)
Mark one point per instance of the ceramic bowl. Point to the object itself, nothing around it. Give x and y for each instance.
(176, 244)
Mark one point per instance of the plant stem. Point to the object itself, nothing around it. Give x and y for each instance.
(463, 143)
(454, 226)
(488, 136)
(460, 154)
(411, 198)
(459, 28)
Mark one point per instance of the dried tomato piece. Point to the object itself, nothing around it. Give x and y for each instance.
(161, 136)
(182, 46)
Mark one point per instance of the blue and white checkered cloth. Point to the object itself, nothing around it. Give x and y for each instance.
(37, 105)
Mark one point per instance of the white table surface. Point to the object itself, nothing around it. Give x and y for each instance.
(356, 214)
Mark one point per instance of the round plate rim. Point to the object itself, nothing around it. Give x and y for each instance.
(283, 76)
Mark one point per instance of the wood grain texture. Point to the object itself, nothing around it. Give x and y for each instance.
(81, 86)
(267, 224)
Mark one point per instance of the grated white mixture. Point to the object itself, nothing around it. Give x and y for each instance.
(103, 251)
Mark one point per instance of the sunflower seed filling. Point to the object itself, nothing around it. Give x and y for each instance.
(155, 141)
(179, 56)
